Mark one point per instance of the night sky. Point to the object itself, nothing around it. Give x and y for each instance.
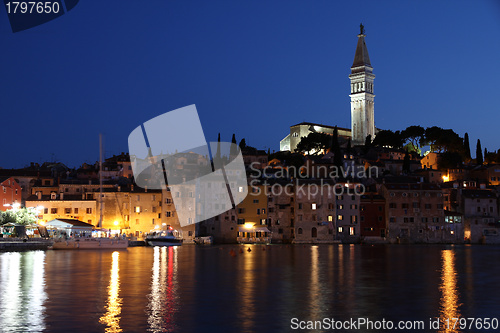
(251, 67)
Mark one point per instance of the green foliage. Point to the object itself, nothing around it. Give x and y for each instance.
(413, 136)
(443, 140)
(24, 216)
(314, 142)
(388, 138)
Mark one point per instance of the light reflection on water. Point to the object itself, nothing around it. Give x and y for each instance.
(22, 291)
(163, 297)
(114, 305)
(449, 301)
(206, 289)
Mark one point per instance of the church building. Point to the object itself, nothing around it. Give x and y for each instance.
(362, 105)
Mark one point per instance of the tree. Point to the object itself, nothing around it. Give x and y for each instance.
(314, 143)
(479, 153)
(485, 154)
(442, 140)
(24, 216)
(233, 151)
(388, 138)
(243, 144)
(467, 155)
(414, 135)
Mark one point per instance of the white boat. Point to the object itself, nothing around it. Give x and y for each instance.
(89, 243)
(168, 237)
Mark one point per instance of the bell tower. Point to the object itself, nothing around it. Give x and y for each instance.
(362, 97)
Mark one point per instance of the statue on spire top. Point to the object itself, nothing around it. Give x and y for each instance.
(361, 29)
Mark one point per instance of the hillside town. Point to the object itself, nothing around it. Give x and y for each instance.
(326, 184)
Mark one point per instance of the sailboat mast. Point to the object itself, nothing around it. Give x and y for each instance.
(100, 182)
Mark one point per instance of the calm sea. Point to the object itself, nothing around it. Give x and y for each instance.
(270, 289)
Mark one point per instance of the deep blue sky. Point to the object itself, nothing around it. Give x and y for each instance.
(251, 67)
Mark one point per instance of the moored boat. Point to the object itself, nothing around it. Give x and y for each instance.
(167, 237)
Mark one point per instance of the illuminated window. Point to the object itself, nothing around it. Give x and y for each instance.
(240, 189)
(313, 206)
(352, 231)
(330, 218)
(89, 210)
(340, 217)
(168, 214)
(137, 209)
(340, 230)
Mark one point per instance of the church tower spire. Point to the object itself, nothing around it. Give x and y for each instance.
(362, 97)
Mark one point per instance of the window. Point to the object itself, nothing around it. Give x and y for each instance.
(354, 218)
(75, 210)
(340, 230)
(340, 207)
(354, 206)
(415, 205)
(263, 221)
(340, 217)
(435, 219)
(404, 206)
(168, 201)
(153, 198)
(138, 198)
(53, 210)
(137, 209)
(300, 206)
(263, 210)
(154, 209)
(393, 205)
(241, 210)
(67, 210)
(330, 218)
(299, 231)
(330, 206)
(241, 221)
(392, 219)
(362, 208)
(380, 218)
(314, 232)
(425, 219)
(168, 214)
(89, 210)
(313, 206)
(339, 197)
(258, 211)
(45, 210)
(352, 231)
(314, 217)
(256, 201)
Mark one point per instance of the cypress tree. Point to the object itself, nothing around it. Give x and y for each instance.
(467, 147)
(234, 146)
(479, 153)
(406, 163)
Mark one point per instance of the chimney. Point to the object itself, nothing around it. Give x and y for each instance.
(39, 195)
(61, 196)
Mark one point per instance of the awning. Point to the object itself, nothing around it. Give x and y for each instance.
(258, 229)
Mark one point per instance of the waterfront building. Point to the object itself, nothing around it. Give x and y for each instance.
(10, 193)
(373, 224)
(415, 214)
(347, 215)
(281, 211)
(314, 211)
(81, 207)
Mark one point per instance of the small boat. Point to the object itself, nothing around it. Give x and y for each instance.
(83, 243)
(168, 237)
